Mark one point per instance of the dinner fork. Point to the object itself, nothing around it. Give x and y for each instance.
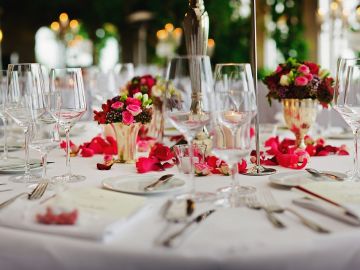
(37, 193)
(253, 203)
(273, 206)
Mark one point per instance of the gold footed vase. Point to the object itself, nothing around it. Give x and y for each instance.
(299, 115)
(155, 128)
(126, 141)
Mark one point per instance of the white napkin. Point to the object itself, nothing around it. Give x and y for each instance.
(102, 213)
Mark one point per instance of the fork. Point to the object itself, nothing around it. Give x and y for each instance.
(273, 206)
(253, 203)
(37, 193)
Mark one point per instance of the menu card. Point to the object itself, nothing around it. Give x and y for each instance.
(339, 192)
(99, 202)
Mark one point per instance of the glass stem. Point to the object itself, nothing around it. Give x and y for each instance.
(191, 173)
(27, 165)
(356, 158)
(68, 166)
(5, 149)
(44, 164)
(234, 169)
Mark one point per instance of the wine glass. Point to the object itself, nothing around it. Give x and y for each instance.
(123, 73)
(347, 103)
(187, 101)
(45, 131)
(235, 107)
(24, 103)
(67, 88)
(5, 159)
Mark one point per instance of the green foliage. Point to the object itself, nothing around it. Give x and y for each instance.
(289, 30)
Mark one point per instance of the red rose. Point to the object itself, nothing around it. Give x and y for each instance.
(87, 152)
(148, 80)
(314, 68)
(100, 117)
(213, 161)
(133, 101)
(145, 164)
(242, 166)
(161, 152)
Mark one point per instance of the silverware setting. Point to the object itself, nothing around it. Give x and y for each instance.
(170, 241)
(181, 215)
(273, 206)
(324, 175)
(253, 203)
(37, 193)
(159, 182)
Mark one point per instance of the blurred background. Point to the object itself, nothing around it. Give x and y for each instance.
(84, 33)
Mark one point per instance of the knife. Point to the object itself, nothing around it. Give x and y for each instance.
(324, 199)
(169, 241)
(162, 180)
(327, 209)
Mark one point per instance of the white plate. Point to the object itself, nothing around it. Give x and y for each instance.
(135, 184)
(341, 136)
(292, 179)
(11, 148)
(20, 169)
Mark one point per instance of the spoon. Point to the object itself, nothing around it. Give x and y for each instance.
(317, 173)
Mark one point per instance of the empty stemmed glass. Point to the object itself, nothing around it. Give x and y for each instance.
(187, 101)
(234, 110)
(45, 131)
(347, 103)
(67, 88)
(24, 103)
(123, 73)
(5, 159)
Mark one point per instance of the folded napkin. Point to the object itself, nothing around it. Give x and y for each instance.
(102, 213)
(340, 200)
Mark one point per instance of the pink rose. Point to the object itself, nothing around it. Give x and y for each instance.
(301, 81)
(278, 69)
(309, 77)
(201, 169)
(134, 109)
(133, 101)
(127, 118)
(117, 105)
(304, 69)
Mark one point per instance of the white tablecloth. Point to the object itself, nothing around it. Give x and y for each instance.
(238, 238)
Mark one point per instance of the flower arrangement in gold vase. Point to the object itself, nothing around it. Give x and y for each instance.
(301, 87)
(126, 115)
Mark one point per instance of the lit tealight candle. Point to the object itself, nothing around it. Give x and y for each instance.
(234, 117)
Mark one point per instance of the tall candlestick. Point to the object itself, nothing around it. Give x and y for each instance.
(196, 30)
(258, 169)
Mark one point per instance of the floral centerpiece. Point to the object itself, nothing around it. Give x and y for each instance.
(300, 86)
(155, 88)
(126, 115)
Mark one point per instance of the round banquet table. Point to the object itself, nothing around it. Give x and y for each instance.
(238, 238)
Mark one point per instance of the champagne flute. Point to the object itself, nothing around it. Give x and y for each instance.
(187, 101)
(24, 103)
(236, 106)
(68, 89)
(347, 103)
(6, 160)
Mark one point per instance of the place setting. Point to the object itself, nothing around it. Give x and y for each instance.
(197, 135)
